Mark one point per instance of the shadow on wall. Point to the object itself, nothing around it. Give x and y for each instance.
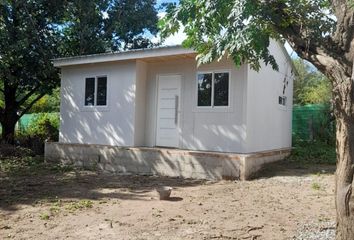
(103, 125)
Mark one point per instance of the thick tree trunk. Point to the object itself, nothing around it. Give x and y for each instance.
(344, 111)
(8, 130)
(344, 179)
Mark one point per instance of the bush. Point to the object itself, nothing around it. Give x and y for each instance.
(313, 152)
(43, 127)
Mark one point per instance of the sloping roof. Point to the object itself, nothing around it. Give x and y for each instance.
(135, 54)
(123, 55)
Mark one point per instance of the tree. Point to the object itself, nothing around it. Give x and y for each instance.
(28, 34)
(83, 31)
(96, 26)
(320, 31)
(129, 22)
(49, 103)
(33, 32)
(310, 86)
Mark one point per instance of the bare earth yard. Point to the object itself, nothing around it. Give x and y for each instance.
(285, 203)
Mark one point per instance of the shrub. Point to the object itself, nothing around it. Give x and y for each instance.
(313, 152)
(43, 127)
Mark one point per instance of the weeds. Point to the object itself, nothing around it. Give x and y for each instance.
(44, 216)
(316, 186)
(79, 205)
(313, 153)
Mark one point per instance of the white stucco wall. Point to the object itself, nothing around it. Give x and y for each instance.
(269, 124)
(140, 105)
(201, 129)
(111, 125)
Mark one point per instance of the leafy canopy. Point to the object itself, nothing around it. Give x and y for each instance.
(310, 86)
(28, 34)
(96, 26)
(242, 29)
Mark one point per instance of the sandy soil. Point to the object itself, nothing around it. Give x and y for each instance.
(85, 205)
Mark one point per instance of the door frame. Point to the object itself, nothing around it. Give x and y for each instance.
(180, 112)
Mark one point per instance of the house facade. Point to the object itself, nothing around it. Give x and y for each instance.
(162, 98)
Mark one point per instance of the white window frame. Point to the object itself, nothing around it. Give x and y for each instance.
(95, 92)
(212, 90)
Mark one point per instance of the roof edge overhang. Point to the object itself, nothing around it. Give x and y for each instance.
(122, 56)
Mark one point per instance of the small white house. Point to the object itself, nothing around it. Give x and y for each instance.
(159, 102)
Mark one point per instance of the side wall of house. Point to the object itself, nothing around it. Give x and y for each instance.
(109, 125)
(269, 124)
(201, 129)
(140, 106)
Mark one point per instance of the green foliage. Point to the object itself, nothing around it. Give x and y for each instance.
(79, 205)
(45, 126)
(316, 186)
(310, 86)
(128, 22)
(32, 33)
(27, 44)
(241, 29)
(49, 103)
(96, 26)
(44, 216)
(313, 152)
(84, 28)
(28, 41)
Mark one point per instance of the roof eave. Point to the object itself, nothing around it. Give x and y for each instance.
(122, 56)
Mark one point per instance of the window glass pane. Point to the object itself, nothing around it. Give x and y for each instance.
(221, 89)
(101, 91)
(90, 92)
(204, 89)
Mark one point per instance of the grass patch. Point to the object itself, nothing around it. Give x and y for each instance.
(313, 153)
(44, 216)
(79, 205)
(58, 207)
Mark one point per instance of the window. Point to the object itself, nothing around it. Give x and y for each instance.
(213, 89)
(282, 100)
(204, 89)
(96, 91)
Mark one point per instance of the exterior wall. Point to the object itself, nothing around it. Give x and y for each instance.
(268, 123)
(111, 125)
(201, 129)
(139, 126)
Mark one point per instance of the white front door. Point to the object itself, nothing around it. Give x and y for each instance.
(168, 108)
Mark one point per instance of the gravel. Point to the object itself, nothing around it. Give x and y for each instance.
(317, 231)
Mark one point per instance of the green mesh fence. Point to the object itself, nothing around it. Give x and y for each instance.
(26, 120)
(312, 121)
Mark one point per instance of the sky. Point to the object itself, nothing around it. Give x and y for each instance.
(180, 36)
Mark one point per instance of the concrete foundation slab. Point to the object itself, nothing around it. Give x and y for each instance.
(162, 161)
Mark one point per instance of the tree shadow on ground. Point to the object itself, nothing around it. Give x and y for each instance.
(32, 185)
(32, 182)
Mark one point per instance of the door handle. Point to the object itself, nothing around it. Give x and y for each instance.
(176, 108)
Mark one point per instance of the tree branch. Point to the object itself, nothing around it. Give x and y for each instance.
(29, 106)
(28, 95)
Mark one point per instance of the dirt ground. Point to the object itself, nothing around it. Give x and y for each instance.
(86, 205)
